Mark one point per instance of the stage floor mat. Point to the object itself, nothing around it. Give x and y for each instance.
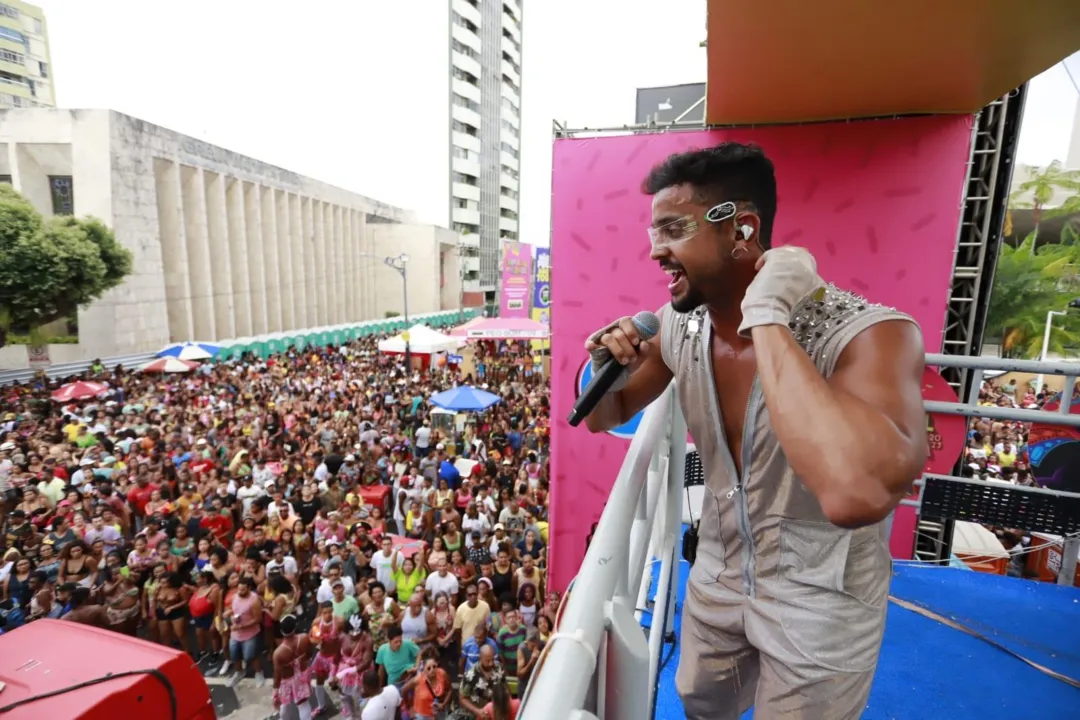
(930, 671)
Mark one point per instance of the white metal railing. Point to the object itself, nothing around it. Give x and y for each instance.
(599, 657)
(599, 665)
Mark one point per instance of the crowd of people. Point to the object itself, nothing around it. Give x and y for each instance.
(997, 449)
(302, 517)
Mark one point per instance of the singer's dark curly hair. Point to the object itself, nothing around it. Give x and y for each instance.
(730, 171)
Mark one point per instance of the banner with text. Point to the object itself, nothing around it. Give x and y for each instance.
(541, 299)
(516, 280)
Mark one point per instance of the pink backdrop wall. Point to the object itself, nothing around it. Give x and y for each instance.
(877, 203)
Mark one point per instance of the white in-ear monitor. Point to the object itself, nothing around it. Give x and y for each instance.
(746, 231)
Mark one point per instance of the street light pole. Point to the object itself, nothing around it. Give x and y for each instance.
(401, 264)
(1046, 342)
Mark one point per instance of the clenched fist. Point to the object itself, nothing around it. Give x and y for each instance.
(785, 276)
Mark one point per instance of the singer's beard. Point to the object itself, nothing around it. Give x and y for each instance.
(688, 301)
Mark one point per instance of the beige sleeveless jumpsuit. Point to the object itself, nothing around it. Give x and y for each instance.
(783, 610)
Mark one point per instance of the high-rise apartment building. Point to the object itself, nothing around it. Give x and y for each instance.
(25, 67)
(485, 135)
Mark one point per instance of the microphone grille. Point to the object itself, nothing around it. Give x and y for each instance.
(647, 324)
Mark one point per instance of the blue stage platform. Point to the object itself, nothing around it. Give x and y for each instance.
(929, 671)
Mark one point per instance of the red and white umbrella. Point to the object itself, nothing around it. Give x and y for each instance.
(168, 365)
(80, 390)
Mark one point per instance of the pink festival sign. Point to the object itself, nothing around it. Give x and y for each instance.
(516, 293)
(876, 202)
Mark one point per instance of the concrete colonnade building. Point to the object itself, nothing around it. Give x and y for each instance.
(224, 245)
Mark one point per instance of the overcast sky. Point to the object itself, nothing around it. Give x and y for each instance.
(338, 90)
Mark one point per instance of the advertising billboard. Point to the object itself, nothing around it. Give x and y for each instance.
(541, 296)
(514, 296)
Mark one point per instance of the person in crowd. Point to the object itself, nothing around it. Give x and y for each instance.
(220, 511)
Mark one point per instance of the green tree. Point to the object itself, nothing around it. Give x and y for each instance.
(51, 268)
(1027, 284)
(1040, 188)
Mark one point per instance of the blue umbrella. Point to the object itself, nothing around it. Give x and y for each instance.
(464, 398)
(190, 351)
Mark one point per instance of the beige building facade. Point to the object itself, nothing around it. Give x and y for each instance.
(224, 245)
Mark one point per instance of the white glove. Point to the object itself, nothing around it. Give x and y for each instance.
(785, 276)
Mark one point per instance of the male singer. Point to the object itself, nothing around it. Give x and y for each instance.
(805, 405)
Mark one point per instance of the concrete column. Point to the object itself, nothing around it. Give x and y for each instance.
(328, 268)
(334, 253)
(239, 258)
(273, 277)
(320, 261)
(350, 264)
(260, 322)
(285, 267)
(217, 225)
(296, 253)
(200, 265)
(359, 263)
(331, 264)
(373, 267)
(173, 250)
(311, 310)
(341, 281)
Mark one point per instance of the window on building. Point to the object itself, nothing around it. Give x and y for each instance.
(464, 50)
(509, 150)
(465, 179)
(510, 38)
(12, 79)
(12, 57)
(507, 81)
(62, 190)
(510, 61)
(38, 27)
(43, 68)
(466, 77)
(462, 101)
(508, 214)
(13, 35)
(466, 128)
(5, 179)
(467, 24)
(8, 11)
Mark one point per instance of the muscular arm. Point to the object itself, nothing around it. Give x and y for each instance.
(648, 381)
(858, 439)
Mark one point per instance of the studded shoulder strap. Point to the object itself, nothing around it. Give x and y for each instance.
(826, 320)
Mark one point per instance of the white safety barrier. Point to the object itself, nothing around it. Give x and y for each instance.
(600, 664)
(600, 659)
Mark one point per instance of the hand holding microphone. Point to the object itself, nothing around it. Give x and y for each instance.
(617, 350)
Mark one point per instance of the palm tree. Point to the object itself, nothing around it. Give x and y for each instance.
(1038, 191)
(1027, 284)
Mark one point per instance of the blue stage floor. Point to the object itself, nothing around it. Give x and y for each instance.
(929, 671)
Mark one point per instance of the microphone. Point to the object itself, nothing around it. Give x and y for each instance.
(647, 325)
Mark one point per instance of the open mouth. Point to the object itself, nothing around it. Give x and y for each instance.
(678, 279)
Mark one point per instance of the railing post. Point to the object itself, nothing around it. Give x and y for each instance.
(671, 525)
(1070, 550)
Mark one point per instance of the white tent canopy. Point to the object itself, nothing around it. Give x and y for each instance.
(422, 341)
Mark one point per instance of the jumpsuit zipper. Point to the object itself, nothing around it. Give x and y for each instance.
(736, 494)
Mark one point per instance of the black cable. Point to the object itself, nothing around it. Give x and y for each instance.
(173, 705)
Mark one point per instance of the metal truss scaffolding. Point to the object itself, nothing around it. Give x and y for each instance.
(986, 197)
